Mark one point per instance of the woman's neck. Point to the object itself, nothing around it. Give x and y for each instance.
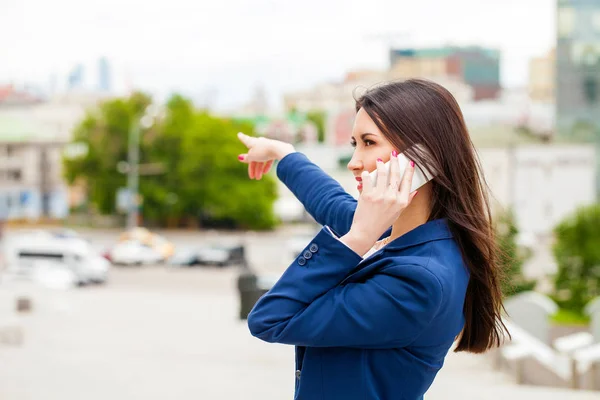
(417, 213)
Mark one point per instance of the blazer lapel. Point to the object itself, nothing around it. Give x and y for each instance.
(432, 230)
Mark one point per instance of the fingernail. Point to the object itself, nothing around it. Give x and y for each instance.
(241, 158)
(379, 160)
(415, 195)
(412, 164)
(394, 153)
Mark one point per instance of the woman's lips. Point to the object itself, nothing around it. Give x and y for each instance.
(359, 180)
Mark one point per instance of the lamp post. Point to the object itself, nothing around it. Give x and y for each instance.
(133, 161)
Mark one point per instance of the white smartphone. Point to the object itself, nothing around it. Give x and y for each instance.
(419, 178)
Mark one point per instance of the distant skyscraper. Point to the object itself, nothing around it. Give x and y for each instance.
(578, 68)
(104, 75)
(75, 79)
(578, 72)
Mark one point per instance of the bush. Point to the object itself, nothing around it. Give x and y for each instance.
(577, 253)
(567, 317)
(511, 257)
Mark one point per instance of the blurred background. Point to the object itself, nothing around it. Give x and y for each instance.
(133, 243)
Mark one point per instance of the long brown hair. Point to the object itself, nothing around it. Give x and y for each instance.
(421, 112)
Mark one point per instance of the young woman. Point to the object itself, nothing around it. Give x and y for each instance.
(379, 296)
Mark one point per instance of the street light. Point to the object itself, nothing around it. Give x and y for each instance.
(151, 113)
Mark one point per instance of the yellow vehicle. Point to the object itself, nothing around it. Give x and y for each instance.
(156, 242)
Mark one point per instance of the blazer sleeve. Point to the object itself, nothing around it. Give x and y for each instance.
(322, 196)
(309, 307)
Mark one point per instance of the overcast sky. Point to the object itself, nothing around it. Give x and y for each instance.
(228, 47)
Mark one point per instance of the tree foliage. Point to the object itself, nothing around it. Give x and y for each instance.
(200, 178)
(577, 253)
(511, 258)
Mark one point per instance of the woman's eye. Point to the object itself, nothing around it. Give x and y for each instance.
(366, 142)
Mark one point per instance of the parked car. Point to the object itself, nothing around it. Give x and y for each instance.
(184, 258)
(158, 243)
(133, 252)
(139, 246)
(54, 274)
(26, 253)
(220, 256)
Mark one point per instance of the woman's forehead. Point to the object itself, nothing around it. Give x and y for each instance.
(364, 124)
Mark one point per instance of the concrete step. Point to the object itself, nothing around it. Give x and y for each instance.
(470, 376)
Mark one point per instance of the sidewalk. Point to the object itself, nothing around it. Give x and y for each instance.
(159, 334)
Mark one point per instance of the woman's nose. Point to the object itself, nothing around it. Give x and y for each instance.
(355, 164)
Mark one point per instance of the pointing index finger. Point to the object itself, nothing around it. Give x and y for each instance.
(247, 140)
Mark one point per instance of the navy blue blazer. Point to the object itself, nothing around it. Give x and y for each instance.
(377, 328)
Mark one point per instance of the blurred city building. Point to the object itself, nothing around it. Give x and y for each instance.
(33, 136)
(476, 66)
(542, 78)
(578, 72)
(578, 68)
(31, 184)
(514, 108)
(13, 96)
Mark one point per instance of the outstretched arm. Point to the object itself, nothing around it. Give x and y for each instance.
(322, 196)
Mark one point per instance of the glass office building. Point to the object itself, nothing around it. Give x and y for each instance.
(578, 69)
(578, 73)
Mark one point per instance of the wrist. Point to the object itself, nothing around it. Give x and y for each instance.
(283, 149)
(359, 242)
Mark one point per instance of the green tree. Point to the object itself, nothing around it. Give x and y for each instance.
(577, 253)
(213, 177)
(201, 178)
(511, 258)
(163, 145)
(318, 118)
(104, 132)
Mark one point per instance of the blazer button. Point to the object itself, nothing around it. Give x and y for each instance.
(307, 254)
(297, 374)
(302, 261)
(313, 248)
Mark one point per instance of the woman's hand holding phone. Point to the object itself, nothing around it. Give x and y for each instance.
(261, 154)
(380, 204)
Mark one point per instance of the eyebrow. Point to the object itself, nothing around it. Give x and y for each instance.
(364, 135)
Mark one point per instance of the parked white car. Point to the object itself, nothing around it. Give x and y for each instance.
(26, 253)
(133, 252)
